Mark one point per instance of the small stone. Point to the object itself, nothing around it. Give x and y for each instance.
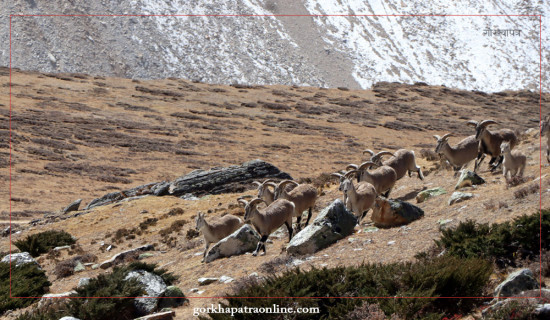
(391, 243)
(225, 279)
(426, 194)
(194, 290)
(205, 281)
(61, 248)
(145, 255)
(371, 229)
(163, 315)
(457, 197)
(79, 267)
(189, 196)
(95, 266)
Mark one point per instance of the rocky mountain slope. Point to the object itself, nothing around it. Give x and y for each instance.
(271, 48)
(79, 136)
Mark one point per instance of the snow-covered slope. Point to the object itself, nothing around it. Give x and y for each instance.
(278, 41)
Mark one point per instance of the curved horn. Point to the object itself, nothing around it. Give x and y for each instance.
(285, 182)
(446, 136)
(366, 164)
(437, 137)
(350, 173)
(257, 183)
(472, 123)
(485, 123)
(272, 184)
(336, 174)
(368, 151)
(351, 166)
(267, 181)
(282, 183)
(242, 201)
(255, 202)
(382, 153)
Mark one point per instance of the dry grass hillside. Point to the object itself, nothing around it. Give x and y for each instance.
(76, 136)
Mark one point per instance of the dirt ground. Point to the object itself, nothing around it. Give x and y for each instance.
(75, 136)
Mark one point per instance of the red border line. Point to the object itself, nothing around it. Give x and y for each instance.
(286, 15)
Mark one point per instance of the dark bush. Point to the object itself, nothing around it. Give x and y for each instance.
(517, 180)
(174, 227)
(65, 268)
(445, 276)
(42, 242)
(26, 281)
(525, 191)
(191, 233)
(105, 285)
(503, 242)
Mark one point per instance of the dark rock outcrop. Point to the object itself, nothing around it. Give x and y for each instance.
(223, 180)
(200, 182)
(333, 223)
(73, 206)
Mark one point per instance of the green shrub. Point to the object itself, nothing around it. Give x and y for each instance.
(26, 280)
(105, 285)
(42, 242)
(445, 276)
(504, 242)
(109, 285)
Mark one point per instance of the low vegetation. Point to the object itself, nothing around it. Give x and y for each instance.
(462, 271)
(42, 242)
(27, 280)
(113, 284)
(445, 276)
(504, 242)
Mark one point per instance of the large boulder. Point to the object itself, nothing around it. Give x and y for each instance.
(426, 194)
(120, 256)
(153, 285)
(467, 179)
(19, 259)
(229, 179)
(332, 224)
(242, 240)
(392, 213)
(517, 282)
(73, 206)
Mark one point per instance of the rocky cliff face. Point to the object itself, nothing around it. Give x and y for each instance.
(267, 48)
